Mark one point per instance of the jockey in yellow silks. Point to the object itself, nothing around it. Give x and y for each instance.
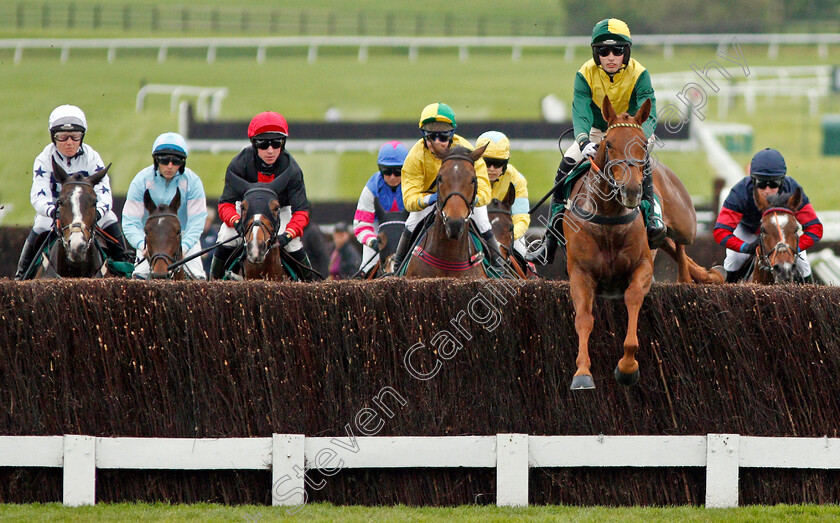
(611, 73)
(502, 175)
(420, 170)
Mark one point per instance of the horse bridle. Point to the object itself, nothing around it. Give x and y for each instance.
(270, 232)
(508, 213)
(609, 164)
(162, 255)
(767, 262)
(470, 202)
(73, 227)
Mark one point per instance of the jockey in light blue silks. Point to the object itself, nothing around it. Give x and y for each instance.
(167, 175)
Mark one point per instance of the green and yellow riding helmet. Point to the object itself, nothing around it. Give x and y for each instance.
(438, 118)
(609, 32)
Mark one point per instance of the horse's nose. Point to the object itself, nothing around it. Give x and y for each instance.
(784, 270)
(631, 194)
(454, 226)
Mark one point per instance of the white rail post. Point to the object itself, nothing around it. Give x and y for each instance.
(287, 469)
(722, 461)
(79, 470)
(512, 470)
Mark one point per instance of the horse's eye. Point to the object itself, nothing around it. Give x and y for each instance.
(179, 231)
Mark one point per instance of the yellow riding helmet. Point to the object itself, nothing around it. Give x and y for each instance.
(437, 112)
(498, 145)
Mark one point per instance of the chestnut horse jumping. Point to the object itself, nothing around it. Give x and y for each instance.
(447, 249)
(606, 242)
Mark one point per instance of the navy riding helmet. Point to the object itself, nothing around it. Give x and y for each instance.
(767, 165)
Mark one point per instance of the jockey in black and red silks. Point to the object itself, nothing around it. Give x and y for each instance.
(265, 160)
(739, 220)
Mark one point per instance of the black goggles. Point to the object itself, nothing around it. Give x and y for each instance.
(166, 160)
(763, 184)
(394, 170)
(439, 136)
(495, 162)
(605, 50)
(277, 143)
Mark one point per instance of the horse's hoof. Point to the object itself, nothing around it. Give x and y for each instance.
(626, 379)
(582, 382)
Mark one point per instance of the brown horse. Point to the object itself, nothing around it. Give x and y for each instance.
(501, 219)
(447, 250)
(75, 254)
(607, 250)
(778, 238)
(261, 214)
(163, 238)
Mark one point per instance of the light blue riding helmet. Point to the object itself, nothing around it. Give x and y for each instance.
(171, 143)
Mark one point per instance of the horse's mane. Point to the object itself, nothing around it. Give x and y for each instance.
(458, 150)
(779, 199)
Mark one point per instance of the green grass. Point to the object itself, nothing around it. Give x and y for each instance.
(386, 87)
(326, 512)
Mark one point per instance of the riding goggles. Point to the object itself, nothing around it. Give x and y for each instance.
(277, 143)
(63, 136)
(495, 162)
(763, 184)
(605, 50)
(438, 136)
(390, 171)
(166, 160)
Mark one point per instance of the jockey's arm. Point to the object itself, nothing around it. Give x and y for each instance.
(104, 197)
(196, 204)
(364, 217)
(300, 208)
(642, 91)
(228, 199)
(133, 212)
(582, 118)
(812, 228)
(40, 194)
(519, 209)
(413, 176)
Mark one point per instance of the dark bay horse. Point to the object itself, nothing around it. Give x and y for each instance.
(607, 250)
(501, 219)
(447, 250)
(778, 238)
(75, 254)
(163, 238)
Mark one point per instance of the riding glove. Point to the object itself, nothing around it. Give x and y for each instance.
(239, 226)
(589, 149)
(429, 199)
(749, 247)
(373, 243)
(283, 240)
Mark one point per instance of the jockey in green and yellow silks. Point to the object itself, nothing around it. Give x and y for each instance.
(613, 74)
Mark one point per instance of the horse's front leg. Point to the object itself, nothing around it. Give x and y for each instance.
(582, 289)
(627, 370)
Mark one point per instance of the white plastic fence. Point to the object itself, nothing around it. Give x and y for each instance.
(208, 99)
(287, 456)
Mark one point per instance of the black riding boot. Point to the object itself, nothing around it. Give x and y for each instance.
(116, 251)
(304, 267)
(402, 249)
(219, 262)
(27, 254)
(654, 224)
(495, 252)
(544, 255)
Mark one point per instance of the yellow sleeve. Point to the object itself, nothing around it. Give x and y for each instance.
(519, 211)
(413, 176)
(484, 192)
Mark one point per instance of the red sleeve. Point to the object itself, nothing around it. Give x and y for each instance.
(812, 228)
(227, 212)
(299, 221)
(724, 232)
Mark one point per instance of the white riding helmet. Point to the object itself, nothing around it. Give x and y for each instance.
(67, 118)
(171, 143)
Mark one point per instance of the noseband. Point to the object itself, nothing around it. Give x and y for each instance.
(767, 261)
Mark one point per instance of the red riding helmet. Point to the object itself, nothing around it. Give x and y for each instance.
(268, 122)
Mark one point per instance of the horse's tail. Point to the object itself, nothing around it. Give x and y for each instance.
(698, 273)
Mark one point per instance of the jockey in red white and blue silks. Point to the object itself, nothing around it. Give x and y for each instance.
(191, 213)
(382, 190)
(739, 220)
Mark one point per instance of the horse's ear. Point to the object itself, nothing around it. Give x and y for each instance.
(794, 203)
(476, 154)
(99, 175)
(274, 207)
(148, 203)
(58, 173)
(238, 184)
(607, 110)
(643, 113)
(510, 197)
(760, 200)
(176, 201)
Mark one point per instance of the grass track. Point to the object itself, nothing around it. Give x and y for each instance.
(479, 514)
